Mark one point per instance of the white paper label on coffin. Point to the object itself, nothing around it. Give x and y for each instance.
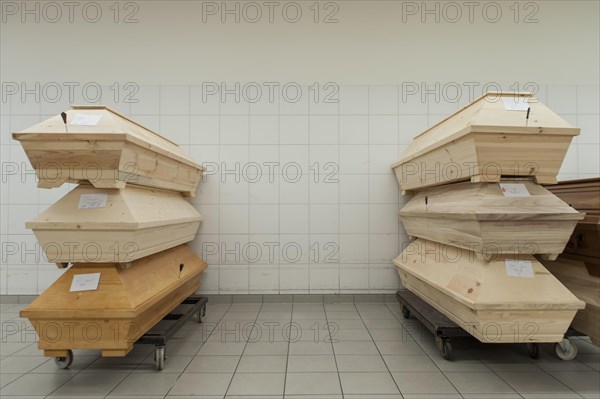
(85, 282)
(514, 190)
(515, 103)
(89, 201)
(519, 268)
(85, 120)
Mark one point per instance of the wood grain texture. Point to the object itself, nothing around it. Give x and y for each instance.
(486, 141)
(136, 222)
(127, 303)
(110, 154)
(483, 299)
(479, 217)
(577, 278)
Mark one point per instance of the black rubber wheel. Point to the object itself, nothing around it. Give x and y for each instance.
(64, 362)
(443, 345)
(533, 350)
(405, 312)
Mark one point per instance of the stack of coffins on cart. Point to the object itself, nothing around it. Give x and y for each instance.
(478, 215)
(122, 232)
(578, 267)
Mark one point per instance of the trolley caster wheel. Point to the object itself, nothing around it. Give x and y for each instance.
(533, 349)
(64, 362)
(443, 345)
(159, 357)
(565, 350)
(405, 312)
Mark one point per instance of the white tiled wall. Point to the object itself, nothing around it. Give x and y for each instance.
(327, 225)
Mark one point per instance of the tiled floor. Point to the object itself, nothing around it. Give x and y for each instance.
(335, 351)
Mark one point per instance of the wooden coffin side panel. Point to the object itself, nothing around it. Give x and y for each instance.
(493, 326)
(106, 246)
(535, 155)
(485, 285)
(145, 167)
(586, 286)
(126, 304)
(451, 163)
(583, 194)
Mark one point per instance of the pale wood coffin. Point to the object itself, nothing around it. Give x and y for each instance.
(482, 218)
(109, 152)
(484, 141)
(133, 223)
(577, 278)
(127, 303)
(483, 298)
(583, 195)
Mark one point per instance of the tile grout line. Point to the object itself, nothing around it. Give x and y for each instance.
(333, 351)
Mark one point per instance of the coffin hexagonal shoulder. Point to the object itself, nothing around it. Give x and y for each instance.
(491, 300)
(111, 225)
(107, 149)
(481, 218)
(486, 140)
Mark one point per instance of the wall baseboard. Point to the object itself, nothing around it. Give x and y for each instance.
(257, 298)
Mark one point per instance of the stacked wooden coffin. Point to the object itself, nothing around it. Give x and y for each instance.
(123, 230)
(479, 214)
(578, 267)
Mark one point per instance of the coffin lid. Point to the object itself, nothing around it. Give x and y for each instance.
(487, 114)
(111, 126)
(485, 201)
(484, 285)
(127, 209)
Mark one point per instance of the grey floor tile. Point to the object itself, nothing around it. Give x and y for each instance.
(276, 307)
(533, 382)
(173, 364)
(183, 348)
(352, 315)
(355, 348)
(262, 364)
(213, 364)
(555, 364)
(415, 363)
(378, 315)
(347, 324)
(257, 384)
(308, 307)
(6, 378)
(10, 348)
(118, 365)
(222, 348)
(399, 348)
(311, 364)
(360, 363)
(395, 334)
(310, 348)
(79, 364)
(143, 384)
(201, 384)
(22, 364)
(85, 385)
(350, 335)
(266, 348)
(312, 384)
(582, 382)
(423, 383)
(340, 307)
(312, 316)
(35, 384)
(368, 383)
(459, 364)
(387, 324)
(481, 382)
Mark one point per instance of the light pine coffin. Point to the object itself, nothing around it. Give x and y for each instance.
(91, 225)
(524, 218)
(496, 301)
(576, 276)
(486, 140)
(109, 152)
(126, 304)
